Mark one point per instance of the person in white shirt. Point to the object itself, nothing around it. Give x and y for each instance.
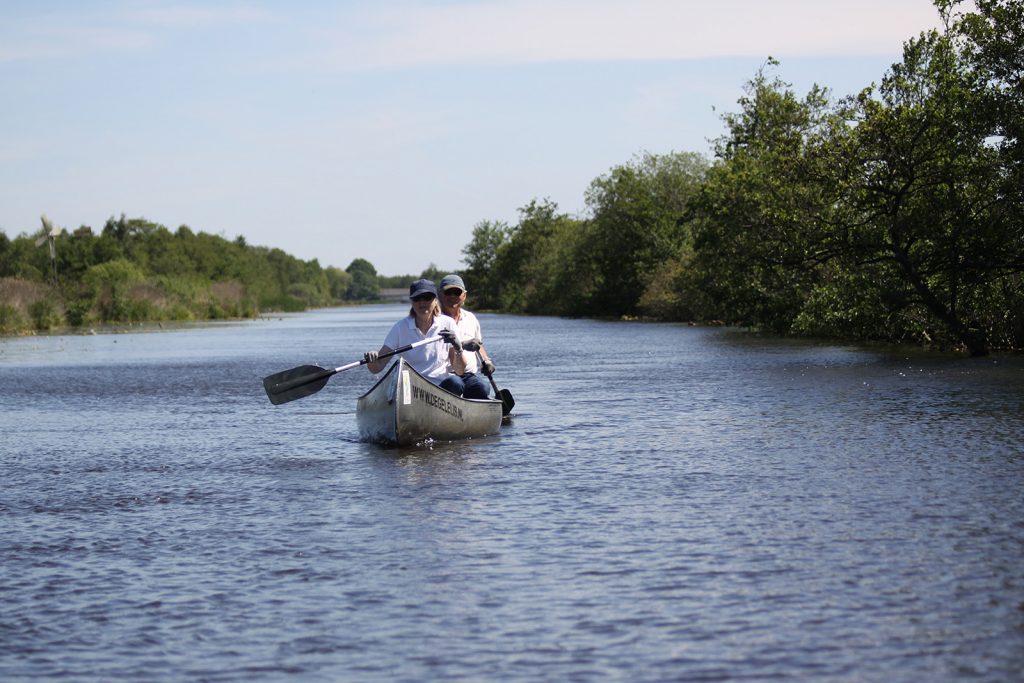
(442, 362)
(453, 296)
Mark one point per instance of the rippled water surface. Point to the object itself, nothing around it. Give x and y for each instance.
(669, 503)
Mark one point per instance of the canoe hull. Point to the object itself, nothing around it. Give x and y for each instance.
(404, 408)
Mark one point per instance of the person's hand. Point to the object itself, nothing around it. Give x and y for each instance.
(450, 337)
(488, 367)
(473, 344)
(370, 356)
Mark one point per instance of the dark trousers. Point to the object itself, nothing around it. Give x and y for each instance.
(470, 385)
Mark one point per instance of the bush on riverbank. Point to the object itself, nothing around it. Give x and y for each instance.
(125, 297)
(136, 270)
(26, 306)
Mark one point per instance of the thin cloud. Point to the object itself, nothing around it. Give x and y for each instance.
(537, 31)
(80, 33)
(56, 39)
(22, 149)
(196, 16)
(424, 33)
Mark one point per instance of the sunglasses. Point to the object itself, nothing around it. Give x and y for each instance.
(454, 291)
(423, 297)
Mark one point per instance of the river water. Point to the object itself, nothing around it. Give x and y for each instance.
(670, 503)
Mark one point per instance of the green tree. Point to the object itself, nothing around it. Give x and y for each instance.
(109, 286)
(434, 274)
(638, 222)
(18, 258)
(364, 280)
(82, 250)
(989, 39)
(530, 263)
(136, 269)
(5, 255)
(338, 282)
(480, 256)
(395, 281)
(764, 209)
(923, 187)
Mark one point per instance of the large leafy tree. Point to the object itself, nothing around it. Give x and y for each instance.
(531, 265)
(923, 186)
(894, 215)
(764, 209)
(338, 282)
(364, 280)
(638, 222)
(990, 36)
(480, 256)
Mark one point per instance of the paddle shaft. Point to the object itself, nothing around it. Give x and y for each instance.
(489, 375)
(294, 379)
(507, 401)
(401, 349)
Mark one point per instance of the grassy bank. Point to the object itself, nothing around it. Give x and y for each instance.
(28, 307)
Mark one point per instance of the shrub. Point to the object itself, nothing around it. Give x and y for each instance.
(179, 312)
(26, 305)
(45, 315)
(79, 312)
(110, 285)
(11, 320)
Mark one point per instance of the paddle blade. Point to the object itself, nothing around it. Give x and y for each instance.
(507, 402)
(295, 383)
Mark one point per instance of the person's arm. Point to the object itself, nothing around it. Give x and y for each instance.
(373, 364)
(474, 345)
(487, 365)
(457, 360)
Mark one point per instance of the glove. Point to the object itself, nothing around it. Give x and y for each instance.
(370, 356)
(472, 345)
(488, 367)
(449, 337)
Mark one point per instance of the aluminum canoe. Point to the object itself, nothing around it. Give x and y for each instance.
(404, 408)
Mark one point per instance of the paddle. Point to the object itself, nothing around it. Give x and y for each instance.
(308, 379)
(507, 402)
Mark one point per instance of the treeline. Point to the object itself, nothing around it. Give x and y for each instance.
(136, 270)
(894, 214)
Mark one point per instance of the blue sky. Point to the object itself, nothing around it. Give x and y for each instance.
(385, 130)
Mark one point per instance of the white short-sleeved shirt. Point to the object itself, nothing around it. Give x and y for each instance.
(469, 328)
(430, 360)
